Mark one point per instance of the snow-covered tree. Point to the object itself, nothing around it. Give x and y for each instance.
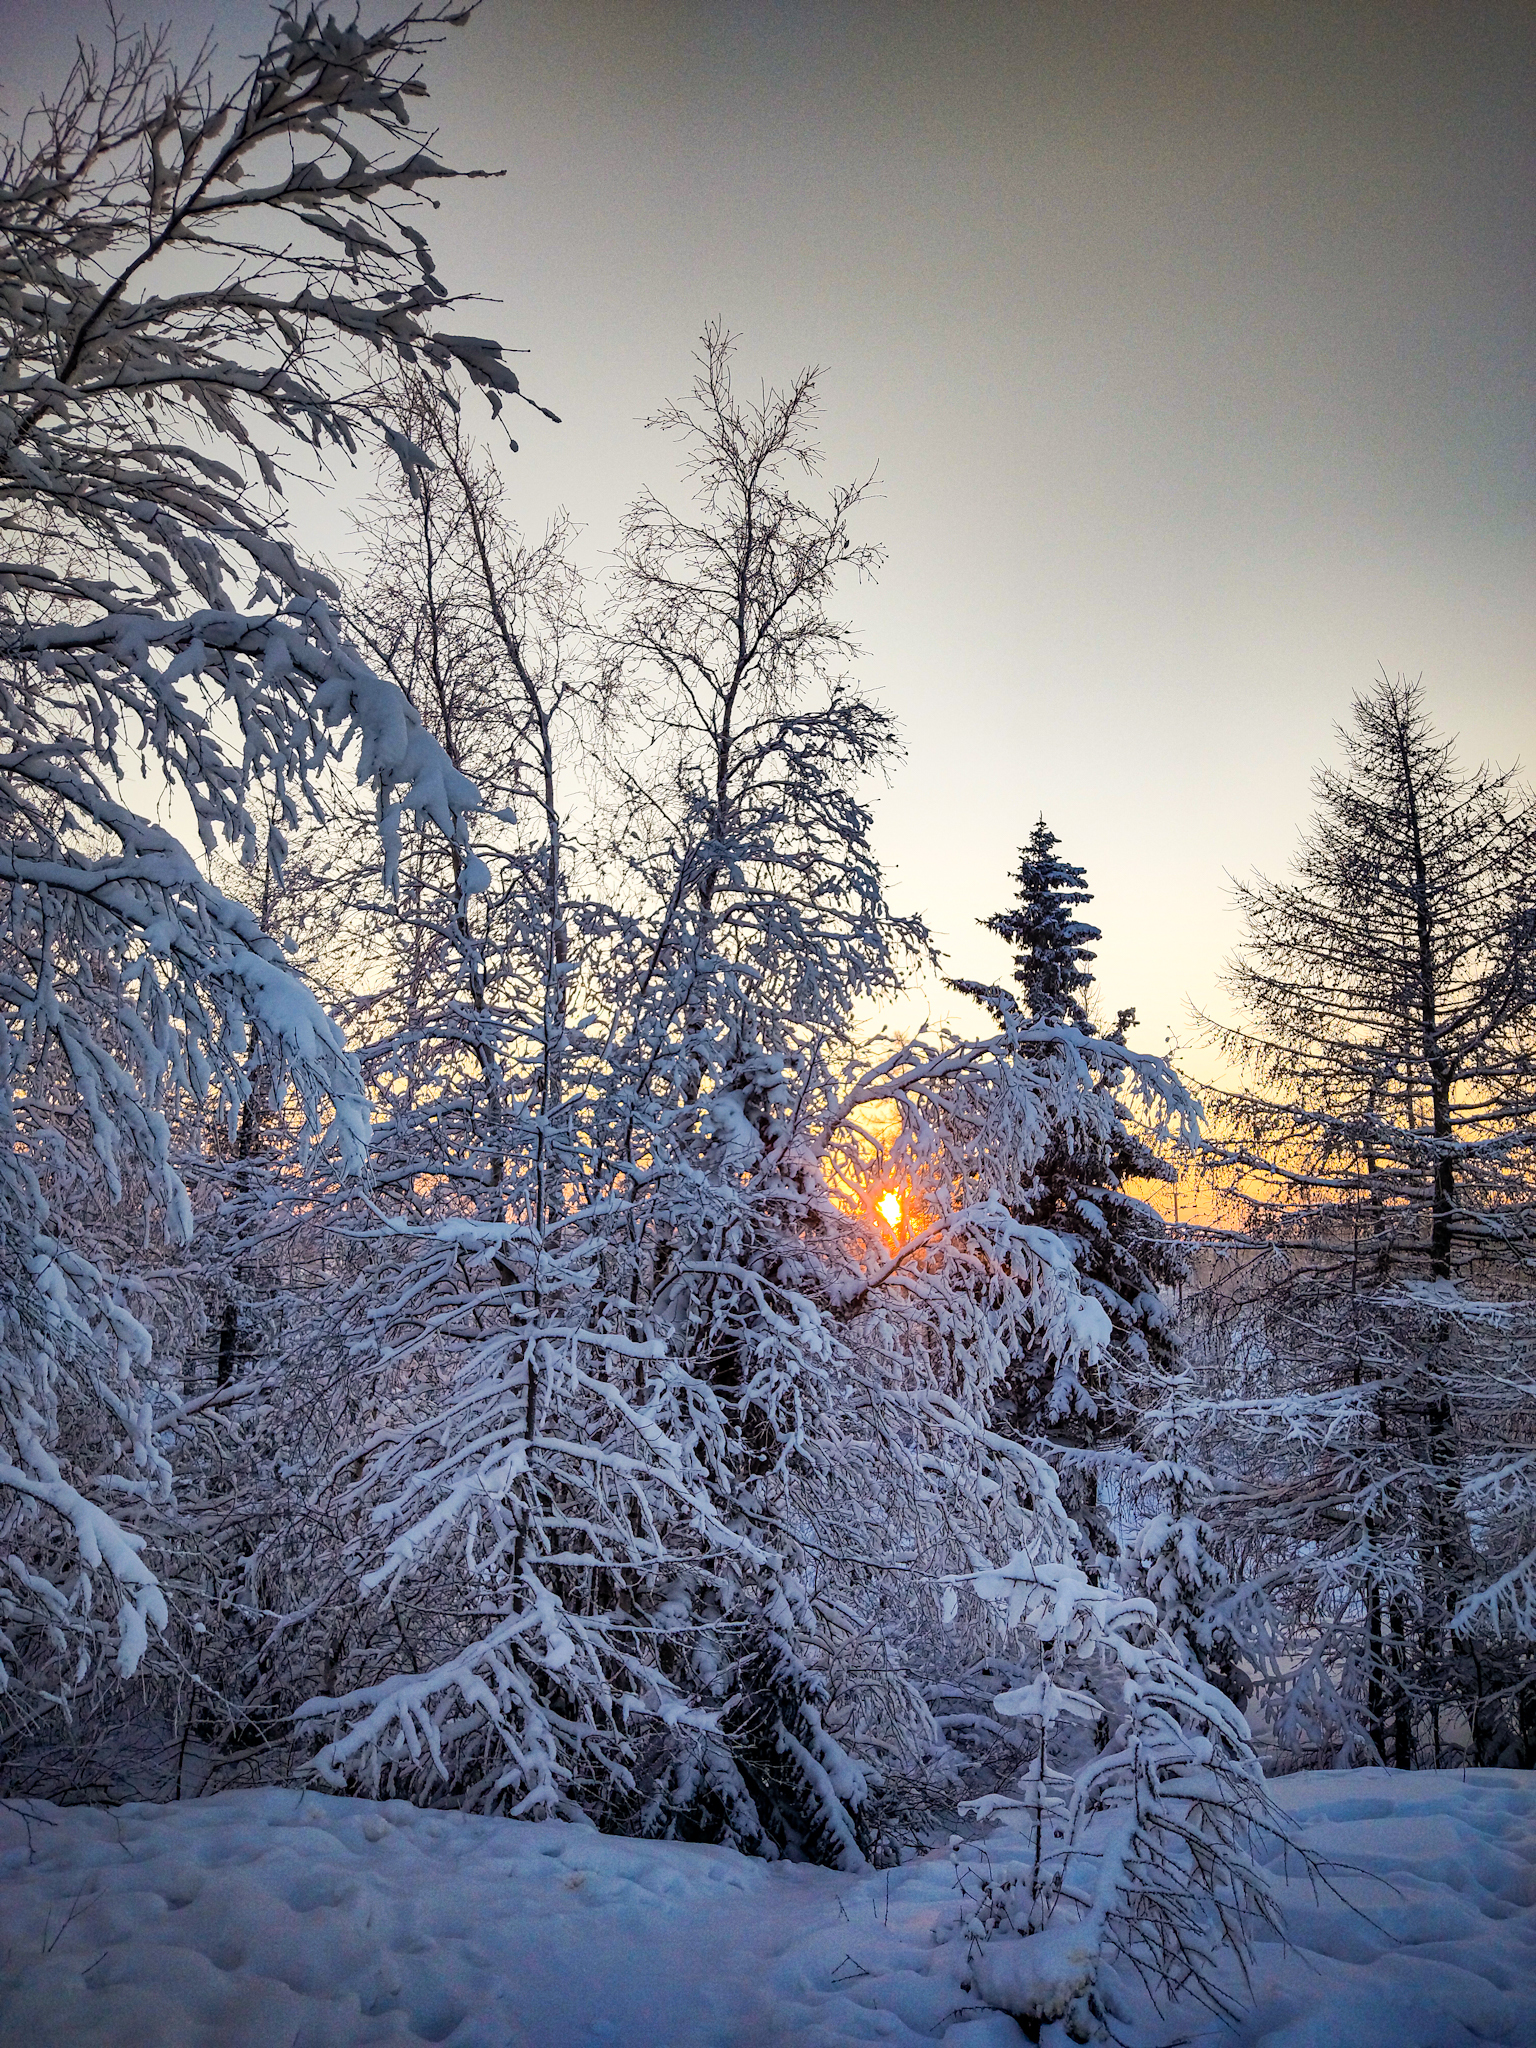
(1388, 991)
(1123, 1787)
(1121, 1248)
(591, 1325)
(658, 1480)
(195, 282)
(1375, 1403)
(1052, 947)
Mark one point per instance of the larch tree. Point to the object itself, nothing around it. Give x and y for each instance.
(1379, 1154)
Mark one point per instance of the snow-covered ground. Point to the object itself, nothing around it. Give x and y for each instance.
(278, 1920)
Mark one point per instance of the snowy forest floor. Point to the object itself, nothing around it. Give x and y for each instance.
(274, 1919)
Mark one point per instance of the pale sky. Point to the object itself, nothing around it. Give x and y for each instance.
(1193, 344)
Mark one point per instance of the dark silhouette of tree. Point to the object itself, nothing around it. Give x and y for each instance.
(1051, 947)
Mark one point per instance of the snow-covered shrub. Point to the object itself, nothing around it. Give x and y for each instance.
(1142, 1855)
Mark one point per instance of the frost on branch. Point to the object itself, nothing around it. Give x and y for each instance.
(610, 1450)
(1365, 1378)
(1143, 1855)
(196, 288)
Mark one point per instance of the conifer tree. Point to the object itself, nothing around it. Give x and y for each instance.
(1379, 1154)
(1121, 1247)
(1052, 947)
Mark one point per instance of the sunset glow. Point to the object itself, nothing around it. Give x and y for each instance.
(889, 1206)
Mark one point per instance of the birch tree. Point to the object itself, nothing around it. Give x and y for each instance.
(197, 280)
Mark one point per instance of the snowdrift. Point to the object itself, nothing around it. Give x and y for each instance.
(274, 1919)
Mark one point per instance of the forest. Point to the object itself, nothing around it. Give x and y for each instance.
(492, 1317)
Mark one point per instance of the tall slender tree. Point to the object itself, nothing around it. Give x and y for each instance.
(1121, 1247)
(1052, 948)
(1380, 1157)
(637, 1356)
(1389, 993)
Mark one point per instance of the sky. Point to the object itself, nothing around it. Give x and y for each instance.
(1192, 345)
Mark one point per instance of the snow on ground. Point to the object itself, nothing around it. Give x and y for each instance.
(1442, 1948)
(272, 1919)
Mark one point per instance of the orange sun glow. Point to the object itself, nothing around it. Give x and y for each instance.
(889, 1206)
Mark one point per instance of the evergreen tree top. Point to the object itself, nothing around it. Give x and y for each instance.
(1052, 948)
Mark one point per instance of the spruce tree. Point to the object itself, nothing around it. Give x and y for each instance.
(1051, 946)
(1120, 1246)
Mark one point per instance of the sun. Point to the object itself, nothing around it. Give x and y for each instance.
(889, 1206)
